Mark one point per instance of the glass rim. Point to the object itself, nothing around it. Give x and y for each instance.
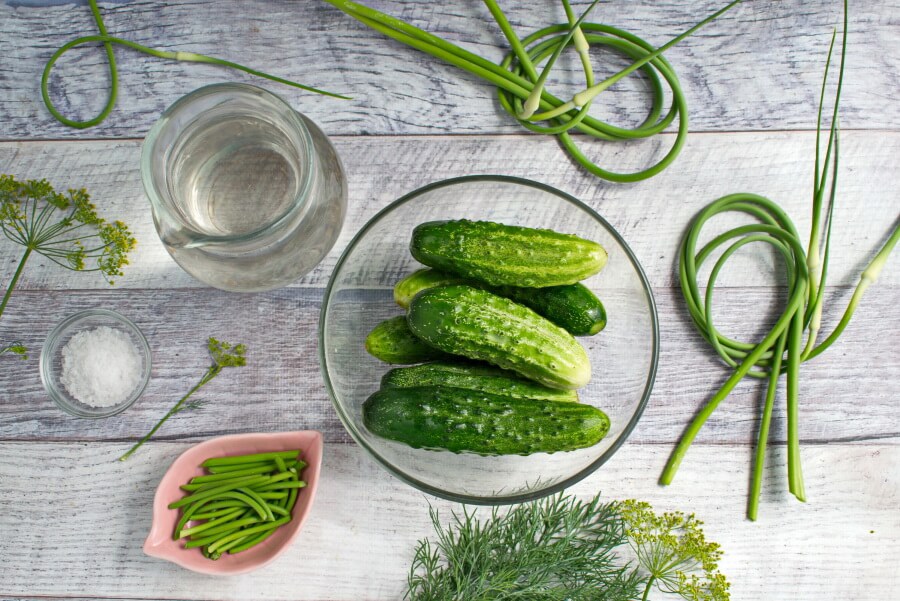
(512, 498)
(45, 364)
(296, 121)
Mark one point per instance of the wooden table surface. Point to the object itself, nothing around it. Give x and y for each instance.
(72, 520)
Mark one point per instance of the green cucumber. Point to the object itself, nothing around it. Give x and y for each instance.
(420, 280)
(459, 420)
(393, 342)
(573, 307)
(506, 255)
(476, 324)
(473, 376)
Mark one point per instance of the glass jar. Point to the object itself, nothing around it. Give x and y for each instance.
(247, 194)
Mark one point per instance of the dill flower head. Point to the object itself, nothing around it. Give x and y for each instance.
(673, 550)
(65, 228)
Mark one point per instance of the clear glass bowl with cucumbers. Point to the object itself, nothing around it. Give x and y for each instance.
(509, 435)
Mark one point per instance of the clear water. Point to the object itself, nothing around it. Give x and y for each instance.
(245, 213)
(249, 180)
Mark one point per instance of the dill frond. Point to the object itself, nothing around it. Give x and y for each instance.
(672, 548)
(223, 355)
(64, 228)
(560, 548)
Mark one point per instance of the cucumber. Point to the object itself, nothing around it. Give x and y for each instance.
(459, 420)
(473, 376)
(477, 324)
(506, 255)
(573, 307)
(419, 280)
(393, 342)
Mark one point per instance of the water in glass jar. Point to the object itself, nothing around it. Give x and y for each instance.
(251, 179)
(247, 194)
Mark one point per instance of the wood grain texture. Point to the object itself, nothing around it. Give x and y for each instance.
(651, 216)
(72, 520)
(758, 67)
(844, 392)
(843, 544)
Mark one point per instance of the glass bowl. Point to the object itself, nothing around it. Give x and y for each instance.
(51, 360)
(359, 295)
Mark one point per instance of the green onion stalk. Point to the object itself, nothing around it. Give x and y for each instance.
(108, 41)
(782, 350)
(521, 88)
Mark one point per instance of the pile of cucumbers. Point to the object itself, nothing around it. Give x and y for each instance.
(491, 322)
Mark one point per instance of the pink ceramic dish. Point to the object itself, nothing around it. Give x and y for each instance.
(159, 542)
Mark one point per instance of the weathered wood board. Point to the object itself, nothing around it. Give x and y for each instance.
(72, 520)
(844, 392)
(759, 67)
(651, 216)
(358, 542)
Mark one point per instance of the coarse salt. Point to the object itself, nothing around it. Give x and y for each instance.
(100, 367)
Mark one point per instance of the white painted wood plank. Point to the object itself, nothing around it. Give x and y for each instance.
(846, 393)
(61, 501)
(652, 216)
(758, 67)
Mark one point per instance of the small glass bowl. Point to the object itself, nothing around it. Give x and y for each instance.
(51, 360)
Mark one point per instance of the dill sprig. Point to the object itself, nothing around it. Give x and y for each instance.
(562, 548)
(64, 228)
(673, 551)
(16, 348)
(223, 355)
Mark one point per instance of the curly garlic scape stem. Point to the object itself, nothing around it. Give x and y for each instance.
(108, 41)
(516, 78)
(534, 99)
(587, 95)
(781, 350)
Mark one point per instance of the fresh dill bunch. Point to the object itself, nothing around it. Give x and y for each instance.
(64, 228)
(223, 355)
(563, 549)
(673, 550)
(551, 550)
